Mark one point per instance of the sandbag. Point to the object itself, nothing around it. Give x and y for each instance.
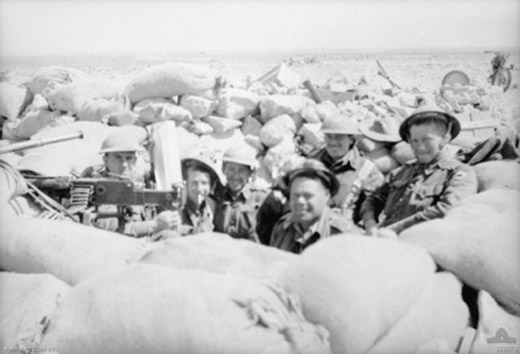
(70, 251)
(222, 125)
(168, 80)
(27, 302)
(95, 110)
(198, 106)
(152, 309)
(158, 110)
(497, 330)
(278, 128)
(13, 100)
(219, 253)
(481, 233)
(367, 145)
(358, 287)
(312, 135)
(438, 313)
(251, 126)
(382, 159)
(237, 104)
(48, 77)
(276, 105)
(277, 156)
(71, 97)
(402, 152)
(32, 122)
(498, 175)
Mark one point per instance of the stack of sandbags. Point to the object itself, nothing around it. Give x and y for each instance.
(438, 314)
(358, 287)
(219, 253)
(72, 97)
(478, 241)
(147, 308)
(13, 100)
(170, 79)
(498, 174)
(497, 330)
(67, 250)
(27, 302)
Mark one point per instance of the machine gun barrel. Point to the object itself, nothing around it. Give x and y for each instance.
(39, 142)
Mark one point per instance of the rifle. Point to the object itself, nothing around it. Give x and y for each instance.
(39, 142)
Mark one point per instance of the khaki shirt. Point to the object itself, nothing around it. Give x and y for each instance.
(288, 236)
(196, 219)
(415, 193)
(236, 214)
(346, 171)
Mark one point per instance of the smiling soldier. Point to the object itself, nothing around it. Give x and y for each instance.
(310, 219)
(425, 188)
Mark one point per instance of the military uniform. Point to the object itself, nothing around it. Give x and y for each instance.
(275, 205)
(236, 214)
(415, 193)
(197, 219)
(346, 171)
(288, 236)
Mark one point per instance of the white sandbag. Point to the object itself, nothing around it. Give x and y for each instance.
(237, 104)
(70, 251)
(13, 100)
(312, 135)
(251, 126)
(168, 80)
(276, 129)
(326, 109)
(48, 77)
(71, 98)
(27, 302)
(382, 159)
(121, 118)
(277, 156)
(276, 105)
(367, 145)
(198, 106)
(358, 287)
(498, 174)
(262, 178)
(222, 125)
(497, 330)
(187, 141)
(402, 152)
(94, 110)
(145, 308)
(310, 115)
(438, 313)
(31, 123)
(197, 127)
(480, 233)
(153, 110)
(219, 253)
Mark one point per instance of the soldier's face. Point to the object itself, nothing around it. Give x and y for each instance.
(198, 185)
(121, 163)
(338, 145)
(426, 141)
(237, 175)
(308, 199)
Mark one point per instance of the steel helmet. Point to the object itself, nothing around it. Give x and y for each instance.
(340, 124)
(428, 112)
(243, 154)
(120, 142)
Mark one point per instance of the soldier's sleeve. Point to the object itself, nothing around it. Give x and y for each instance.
(375, 201)
(462, 183)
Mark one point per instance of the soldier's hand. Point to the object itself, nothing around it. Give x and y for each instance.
(167, 220)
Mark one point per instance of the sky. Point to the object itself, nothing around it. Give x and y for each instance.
(73, 27)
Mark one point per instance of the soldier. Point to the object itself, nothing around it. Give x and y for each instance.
(238, 201)
(310, 219)
(425, 188)
(202, 179)
(120, 158)
(357, 175)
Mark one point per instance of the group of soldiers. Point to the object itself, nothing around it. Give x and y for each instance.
(332, 191)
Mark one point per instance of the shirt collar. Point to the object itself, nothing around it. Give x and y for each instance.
(243, 195)
(352, 158)
(318, 227)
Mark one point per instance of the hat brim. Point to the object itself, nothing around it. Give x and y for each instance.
(330, 181)
(104, 151)
(240, 162)
(379, 136)
(419, 116)
(215, 175)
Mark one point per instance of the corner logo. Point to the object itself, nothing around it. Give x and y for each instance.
(501, 336)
